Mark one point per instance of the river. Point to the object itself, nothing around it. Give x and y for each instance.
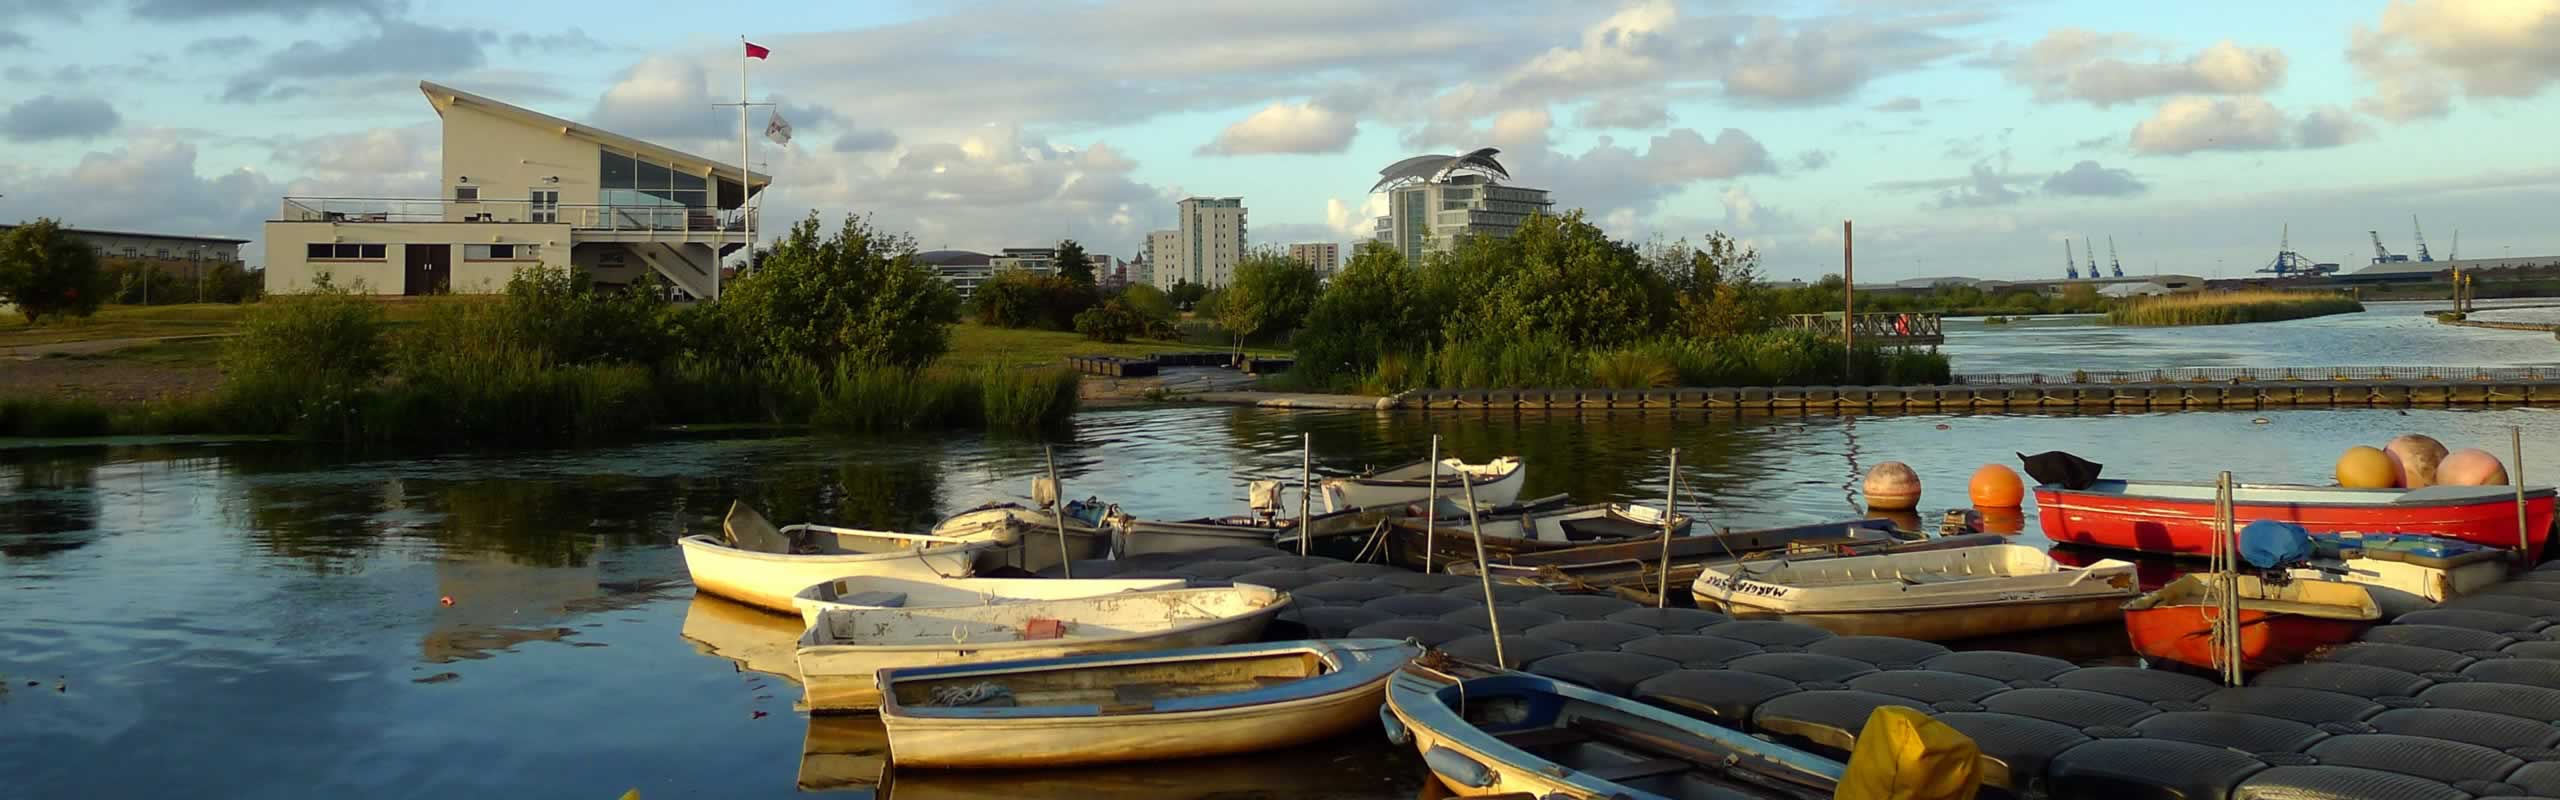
(266, 620)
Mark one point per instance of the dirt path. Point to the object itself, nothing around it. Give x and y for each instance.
(90, 346)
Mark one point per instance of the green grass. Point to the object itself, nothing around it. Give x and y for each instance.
(974, 345)
(189, 319)
(2232, 307)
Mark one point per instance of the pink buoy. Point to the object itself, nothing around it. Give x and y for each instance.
(2471, 467)
(2414, 459)
(1892, 486)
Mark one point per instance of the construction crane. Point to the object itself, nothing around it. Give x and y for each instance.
(2382, 255)
(2420, 234)
(2289, 263)
(2456, 253)
(2112, 262)
(2070, 266)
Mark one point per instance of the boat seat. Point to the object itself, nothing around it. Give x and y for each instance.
(875, 598)
(1641, 769)
(1534, 738)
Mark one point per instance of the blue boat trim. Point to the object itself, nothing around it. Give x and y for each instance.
(1431, 706)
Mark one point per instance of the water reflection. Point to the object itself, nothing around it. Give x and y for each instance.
(1354, 767)
(52, 502)
(751, 638)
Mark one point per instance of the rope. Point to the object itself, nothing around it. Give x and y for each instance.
(970, 694)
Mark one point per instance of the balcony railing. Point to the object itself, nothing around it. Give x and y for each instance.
(644, 218)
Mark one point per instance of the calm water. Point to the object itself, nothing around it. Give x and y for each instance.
(236, 621)
(2384, 335)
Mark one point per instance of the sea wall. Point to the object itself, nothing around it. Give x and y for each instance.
(2127, 397)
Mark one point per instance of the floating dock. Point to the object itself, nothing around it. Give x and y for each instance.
(2452, 703)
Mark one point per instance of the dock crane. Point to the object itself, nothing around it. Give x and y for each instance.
(2112, 262)
(2070, 266)
(2382, 255)
(2289, 263)
(2420, 234)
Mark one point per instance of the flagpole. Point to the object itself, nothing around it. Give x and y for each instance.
(746, 181)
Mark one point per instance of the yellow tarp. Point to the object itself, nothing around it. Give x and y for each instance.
(1902, 754)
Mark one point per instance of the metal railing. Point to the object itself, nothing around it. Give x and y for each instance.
(1879, 327)
(648, 218)
(2265, 375)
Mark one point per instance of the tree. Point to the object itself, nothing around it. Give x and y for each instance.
(44, 271)
(1723, 297)
(1110, 322)
(1023, 299)
(1375, 305)
(1555, 277)
(857, 296)
(1072, 262)
(1186, 294)
(1271, 293)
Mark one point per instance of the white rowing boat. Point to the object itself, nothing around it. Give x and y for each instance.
(1027, 538)
(1497, 483)
(842, 653)
(1124, 707)
(880, 592)
(755, 564)
(1932, 595)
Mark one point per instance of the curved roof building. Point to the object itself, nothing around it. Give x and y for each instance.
(1434, 200)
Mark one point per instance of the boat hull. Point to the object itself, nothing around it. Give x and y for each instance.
(2184, 634)
(2127, 520)
(971, 591)
(768, 581)
(1947, 624)
(844, 677)
(1079, 741)
(1349, 493)
(1451, 545)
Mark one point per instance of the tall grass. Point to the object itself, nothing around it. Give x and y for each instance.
(2232, 307)
(868, 398)
(1774, 358)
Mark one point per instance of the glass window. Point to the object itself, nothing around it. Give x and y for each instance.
(466, 194)
(318, 250)
(686, 181)
(616, 171)
(500, 252)
(654, 176)
(692, 199)
(372, 251)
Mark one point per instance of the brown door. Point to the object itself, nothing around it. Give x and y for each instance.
(430, 269)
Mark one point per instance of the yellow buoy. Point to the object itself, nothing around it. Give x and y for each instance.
(2415, 458)
(2364, 468)
(1892, 486)
(2471, 467)
(1996, 486)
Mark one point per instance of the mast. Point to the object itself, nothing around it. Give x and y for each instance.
(746, 184)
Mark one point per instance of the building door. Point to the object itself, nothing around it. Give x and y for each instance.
(430, 269)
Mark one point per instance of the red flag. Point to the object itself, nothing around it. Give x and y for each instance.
(757, 51)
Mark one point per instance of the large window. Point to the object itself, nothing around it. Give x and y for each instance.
(501, 252)
(323, 251)
(646, 194)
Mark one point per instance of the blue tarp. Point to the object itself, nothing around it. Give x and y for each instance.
(2268, 544)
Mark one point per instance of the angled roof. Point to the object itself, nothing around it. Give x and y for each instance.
(178, 237)
(1436, 166)
(443, 97)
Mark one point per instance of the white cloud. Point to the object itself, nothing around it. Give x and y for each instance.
(2189, 124)
(2421, 51)
(151, 183)
(2080, 64)
(1626, 112)
(1299, 128)
(1356, 223)
(2089, 179)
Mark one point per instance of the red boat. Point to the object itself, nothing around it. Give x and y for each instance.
(2279, 623)
(2177, 517)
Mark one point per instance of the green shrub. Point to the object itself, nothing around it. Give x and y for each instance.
(1024, 299)
(301, 361)
(560, 315)
(44, 271)
(1632, 369)
(1269, 296)
(54, 416)
(1373, 307)
(1025, 399)
(1110, 322)
(858, 295)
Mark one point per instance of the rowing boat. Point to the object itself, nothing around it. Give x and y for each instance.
(1564, 570)
(1497, 482)
(1028, 538)
(2280, 623)
(874, 592)
(1124, 707)
(755, 564)
(1936, 595)
(840, 654)
(1636, 535)
(1144, 536)
(2178, 517)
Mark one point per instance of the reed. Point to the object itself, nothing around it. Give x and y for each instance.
(2231, 308)
(1027, 399)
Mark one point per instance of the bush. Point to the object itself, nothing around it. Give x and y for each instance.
(1270, 295)
(1555, 276)
(1025, 299)
(300, 362)
(1025, 399)
(859, 295)
(1110, 322)
(1374, 306)
(46, 272)
(560, 316)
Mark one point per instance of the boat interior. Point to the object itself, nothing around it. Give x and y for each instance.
(2308, 598)
(1084, 618)
(1909, 569)
(1420, 471)
(745, 529)
(1580, 524)
(1620, 748)
(2279, 494)
(1115, 688)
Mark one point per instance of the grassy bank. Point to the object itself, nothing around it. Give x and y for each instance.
(2228, 308)
(1772, 358)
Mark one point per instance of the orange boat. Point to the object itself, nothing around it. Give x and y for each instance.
(2280, 623)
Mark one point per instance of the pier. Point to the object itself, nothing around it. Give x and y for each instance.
(2151, 390)
(2457, 702)
(1887, 329)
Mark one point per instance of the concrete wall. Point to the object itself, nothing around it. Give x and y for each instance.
(509, 159)
(288, 271)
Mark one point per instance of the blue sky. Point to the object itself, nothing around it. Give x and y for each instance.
(1963, 137)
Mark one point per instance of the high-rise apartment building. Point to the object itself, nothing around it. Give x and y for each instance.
(1205, 248)
(1323, 257)
(1432, 200)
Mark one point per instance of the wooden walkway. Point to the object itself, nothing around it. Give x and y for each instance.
(1891, 330)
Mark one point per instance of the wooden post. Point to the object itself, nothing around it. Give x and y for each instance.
(1484, 574)
(1306, 488)
(2524, 529)
(1670, 509)
(2227, 610)
(1848, 305)
(1058, 510)
(1431, 508)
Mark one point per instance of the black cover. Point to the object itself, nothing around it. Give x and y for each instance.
(2057, 467)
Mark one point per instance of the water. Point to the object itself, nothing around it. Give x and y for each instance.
(264, 620)
(2383, 335)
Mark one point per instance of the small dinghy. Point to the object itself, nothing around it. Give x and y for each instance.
(1605, 533)
(1027, 538)
(1937, 595)
(1122, 707)
(1139, 537)
(1516, 733)
(1567, 570)
(842, 652)
(874, 592)
(1497, 482)
(755, 564)
(2178, 517)
(2279, 622)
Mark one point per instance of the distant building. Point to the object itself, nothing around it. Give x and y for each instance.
(169, 247)
(1041, 260)
(1205, 248)
(1432, 200)
(1323, 257)
(1138, 271)
(963, 269)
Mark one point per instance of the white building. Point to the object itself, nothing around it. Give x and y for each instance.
(1205, 249)
(166, 247)
(1432, 200)
(521, 189)
(963, 269)
(1041, 260)
(1323, 257)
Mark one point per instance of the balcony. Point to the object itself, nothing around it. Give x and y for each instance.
(602, 222)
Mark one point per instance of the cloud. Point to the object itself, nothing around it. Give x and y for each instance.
(2190, 124)
(396, 47)
(865, 140)
(50, 117)
(2329, 126)
(219, 46)
(663, 99)
(1352, 222)
(193, 10)
(2422, 51)
(1624, 112)
(2088, 179)
(13, 40)
(1683, 155)
(413, 153)
(1812, 160)
(1984, 187)
(571, 41)
(991, 188)
(1285, 128)
(1897, 105)
(149, 184)
(2080, 64)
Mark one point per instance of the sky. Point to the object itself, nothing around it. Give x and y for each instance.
(1962, 137)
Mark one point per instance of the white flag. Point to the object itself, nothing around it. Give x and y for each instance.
(777, 129)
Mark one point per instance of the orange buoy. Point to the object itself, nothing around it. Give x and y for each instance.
(2471, 467)
(2415, 458)
(1996, 486)
(1892, 486)
(2364, 468)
